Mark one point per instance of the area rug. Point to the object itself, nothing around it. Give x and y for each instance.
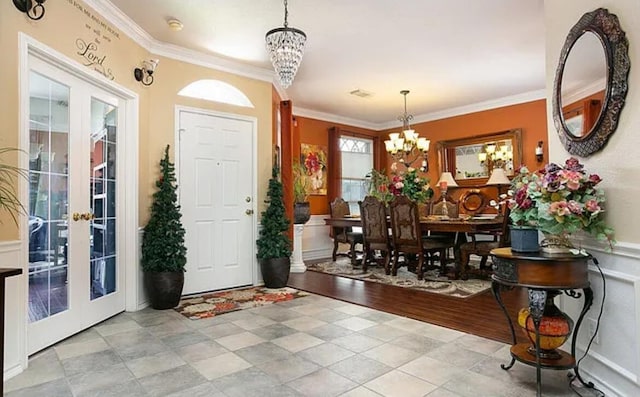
(432, 282)
(214, 304)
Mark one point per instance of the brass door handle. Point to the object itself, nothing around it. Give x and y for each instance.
(249, 212)
(87, 216)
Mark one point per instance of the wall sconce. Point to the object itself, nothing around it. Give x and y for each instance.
(539, 152)
(33, 12)
(145, 74)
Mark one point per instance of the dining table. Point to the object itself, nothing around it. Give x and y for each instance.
(436, 223)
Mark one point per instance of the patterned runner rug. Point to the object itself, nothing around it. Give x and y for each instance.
(216, 303)
(432, 282)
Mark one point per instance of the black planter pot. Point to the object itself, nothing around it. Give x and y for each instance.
(301, 213)
(164, 288)
(524, 239)
(275, 272)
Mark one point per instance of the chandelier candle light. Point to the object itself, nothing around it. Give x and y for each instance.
(286, 47)
(495, 156)
(410, 146)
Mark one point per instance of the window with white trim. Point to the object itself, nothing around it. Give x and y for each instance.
(357, 161)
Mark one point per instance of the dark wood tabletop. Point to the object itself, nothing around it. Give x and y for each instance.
(433, 224)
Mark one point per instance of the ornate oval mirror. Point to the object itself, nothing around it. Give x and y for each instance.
(591, 82)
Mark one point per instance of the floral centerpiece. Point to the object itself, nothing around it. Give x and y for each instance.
(408, 183)
(559, 201)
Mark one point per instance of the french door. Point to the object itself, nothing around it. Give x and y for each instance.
(75, 278)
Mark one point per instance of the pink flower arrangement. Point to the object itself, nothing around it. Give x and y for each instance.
(559, 200)
(408, 183)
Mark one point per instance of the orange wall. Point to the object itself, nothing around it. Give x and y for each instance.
(531, 117)
(315, 132)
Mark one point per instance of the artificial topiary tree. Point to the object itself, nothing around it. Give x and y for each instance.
(273, 241)
(163, 248)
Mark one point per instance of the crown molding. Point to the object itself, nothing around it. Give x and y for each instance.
(583, 92)
(121, 21)
(281, 91)
(313, 114)
(475, 107)
(210, 61)
(129, 27)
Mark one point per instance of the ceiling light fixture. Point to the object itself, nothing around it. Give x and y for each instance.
(175, 25)
(285, 46)
(410, 146)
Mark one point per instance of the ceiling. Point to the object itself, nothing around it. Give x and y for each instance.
(451, 55)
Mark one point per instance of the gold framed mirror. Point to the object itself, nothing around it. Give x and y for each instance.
(471, 160)
(590, 85)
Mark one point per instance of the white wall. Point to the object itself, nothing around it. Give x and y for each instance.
(613, 364)
(15, 311)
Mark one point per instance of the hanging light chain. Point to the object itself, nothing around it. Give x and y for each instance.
(286, 14)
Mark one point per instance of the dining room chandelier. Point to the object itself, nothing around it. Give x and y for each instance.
(286, 47)
(495, 156)
(407, 146)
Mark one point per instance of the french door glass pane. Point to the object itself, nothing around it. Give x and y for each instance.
(104, 119)
(48, 196)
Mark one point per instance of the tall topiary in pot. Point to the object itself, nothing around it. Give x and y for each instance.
(274, 245)
(164, 254)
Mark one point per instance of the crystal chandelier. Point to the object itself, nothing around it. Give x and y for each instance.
(285, 46)
(410, 146)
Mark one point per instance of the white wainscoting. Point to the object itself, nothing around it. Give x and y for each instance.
(316, 243)
(15, 320)
(613, 363)
(142, 300)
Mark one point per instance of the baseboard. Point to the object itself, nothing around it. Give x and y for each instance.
(10, 246)
(317, 253)
(12, 371)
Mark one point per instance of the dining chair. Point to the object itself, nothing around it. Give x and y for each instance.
(437, 208)
(482, 248)
(407, 237)
(375, 231)
(340, 209)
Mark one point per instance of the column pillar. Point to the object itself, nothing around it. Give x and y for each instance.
(297, 264)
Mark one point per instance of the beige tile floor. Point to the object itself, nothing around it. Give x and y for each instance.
(311, 346)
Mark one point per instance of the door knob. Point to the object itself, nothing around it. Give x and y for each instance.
(249, 212)
(87, 216)
(76, 216)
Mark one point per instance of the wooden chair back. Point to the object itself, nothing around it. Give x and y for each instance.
(339, 209)
(406, 233)
(374, 222)
(437, 208)
(504, 237)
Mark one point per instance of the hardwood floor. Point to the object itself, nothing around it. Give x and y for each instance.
(478, 315)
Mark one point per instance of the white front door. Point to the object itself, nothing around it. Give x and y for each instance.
(75, 278)
(216, 168)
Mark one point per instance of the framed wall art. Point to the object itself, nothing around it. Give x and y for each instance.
(314, 160)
